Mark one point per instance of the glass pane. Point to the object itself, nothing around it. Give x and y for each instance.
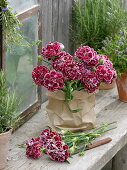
(20, 62)
(21, 5)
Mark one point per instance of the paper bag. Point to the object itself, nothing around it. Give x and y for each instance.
(61, 117)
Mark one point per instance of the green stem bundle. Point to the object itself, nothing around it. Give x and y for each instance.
(78, 142)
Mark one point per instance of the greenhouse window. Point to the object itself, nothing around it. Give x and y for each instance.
(21, 59)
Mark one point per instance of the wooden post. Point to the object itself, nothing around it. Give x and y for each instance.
(1, 39)
(39, 89)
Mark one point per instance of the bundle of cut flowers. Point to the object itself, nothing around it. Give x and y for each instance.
(59, 146)
(85, 70)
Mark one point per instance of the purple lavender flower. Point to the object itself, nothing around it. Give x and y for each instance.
(5, 9)
(122, 39)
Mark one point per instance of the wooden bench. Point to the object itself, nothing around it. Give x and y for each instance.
(108, 109)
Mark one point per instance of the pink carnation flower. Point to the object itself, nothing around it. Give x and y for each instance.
(33, 149)
(106, 61)
(90, 81)
(59, 62)
(38, 74)
(52, 49)
(87, 55)
(32, 141)
(53, 80)
(48, 135)
(72, 70)
(58, 151)
(106, 74)
(94, 61)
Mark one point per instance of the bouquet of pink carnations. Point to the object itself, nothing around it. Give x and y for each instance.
(85, 70)
(59, 146)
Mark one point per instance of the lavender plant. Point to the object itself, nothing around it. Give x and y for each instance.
(11, 25)
(9, 104)
(116, 47)
(12, 32)
(94, 20)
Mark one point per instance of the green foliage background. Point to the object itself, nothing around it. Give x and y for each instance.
(94, 20)
(11, 26)
(116, 47)
(9, 105)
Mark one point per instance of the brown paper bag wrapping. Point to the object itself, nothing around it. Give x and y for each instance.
(4, 146)
(61, 117)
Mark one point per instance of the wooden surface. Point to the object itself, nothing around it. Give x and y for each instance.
(28, 12)
(119, 162)
(108, 108)
(56, 19)
(108, 166)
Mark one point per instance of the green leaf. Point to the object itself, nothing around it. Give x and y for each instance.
(76, 110)
(53, 57)
(81, 153)
(70, 156)
(22, 146)
(67, 161)
(40, 58)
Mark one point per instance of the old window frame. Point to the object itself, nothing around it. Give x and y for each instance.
(1, 40)
(33, 108)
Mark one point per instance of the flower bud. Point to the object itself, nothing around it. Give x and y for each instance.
(75, 139)
(87, 138)
(40, 58)
(81, 153)
(63, 137)
(61, 46)
(43, 149)
(105, 124)
(95, 134)
(100, 61)
(72, 149)
(65, 132)
(93, 69)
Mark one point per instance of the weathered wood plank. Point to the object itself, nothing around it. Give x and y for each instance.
(69, 44)
(27, 13)
(120, 160)
(46, 30)
(102, 99)
(108, 166)
(55, 18)
(47, 21)
(65, 8)
(94, 159)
